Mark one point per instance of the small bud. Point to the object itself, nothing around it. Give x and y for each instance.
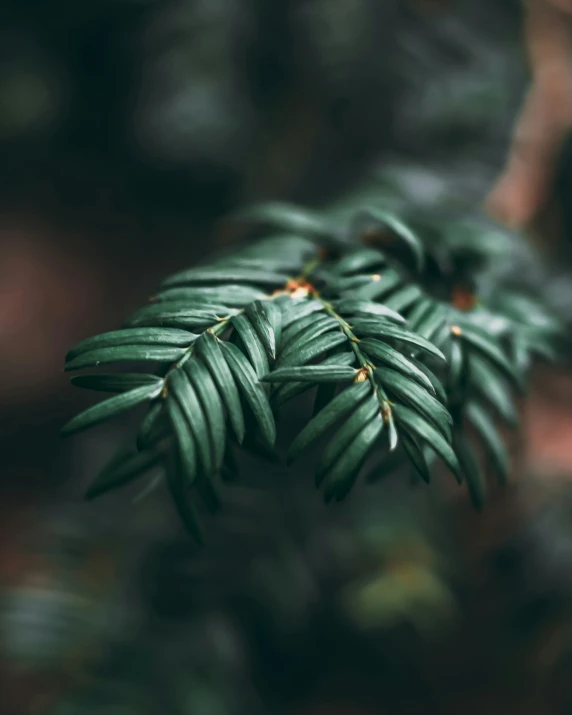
(362, 375)
(376, 277)
(299, 288)
(299, 293)
(456, 330)
(463, 299)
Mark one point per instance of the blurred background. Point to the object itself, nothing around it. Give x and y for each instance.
(128, 129)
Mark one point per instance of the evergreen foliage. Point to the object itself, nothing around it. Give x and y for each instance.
(386, 325)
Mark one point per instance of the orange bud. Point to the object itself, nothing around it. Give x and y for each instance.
(463, 299)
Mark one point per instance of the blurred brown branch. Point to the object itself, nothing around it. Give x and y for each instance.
(546, 117)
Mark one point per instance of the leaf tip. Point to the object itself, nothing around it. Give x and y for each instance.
(68, 429)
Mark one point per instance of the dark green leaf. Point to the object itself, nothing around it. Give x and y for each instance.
(432, 322)
(438, 388)
(349, 284)
(491, 323)
(212, 406)
(393, 436)
(180, 387)
(402, 232)
(312, 349)
(180, 495)
(416, 457)
(454, 351)
(411, 422)
(416, 397)
(491, 440)
(280, 250)
(235, 296)
(367, 309)
(303, 338)
(115, 382)
(209, 349)
(287, 217)
(133, 336)
(341, 477)
(377, 286)
(206, 309)
(304, 329)
(404, 298)
(529, 311)
(346, 434)
(256, 313)
(487, 382)
(394, 359)
(166, 316)
(284, 264)
(125, 353)
(155, 426)
(313, 373)
(110, 408)
(299, 309)
(521, 356)
(419, 313)
(252, 390)
(252, 344)
(274, 315)
(358, 261)
(471, 469)
(125, 468)
(286, 392)
(540, 346)
(187, 448)
(197, 276)
(483, 343)
(456, 361)
(384, 329)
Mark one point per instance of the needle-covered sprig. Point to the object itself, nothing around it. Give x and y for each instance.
(326, 303)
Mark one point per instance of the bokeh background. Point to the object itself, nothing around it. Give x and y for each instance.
(128, 130)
